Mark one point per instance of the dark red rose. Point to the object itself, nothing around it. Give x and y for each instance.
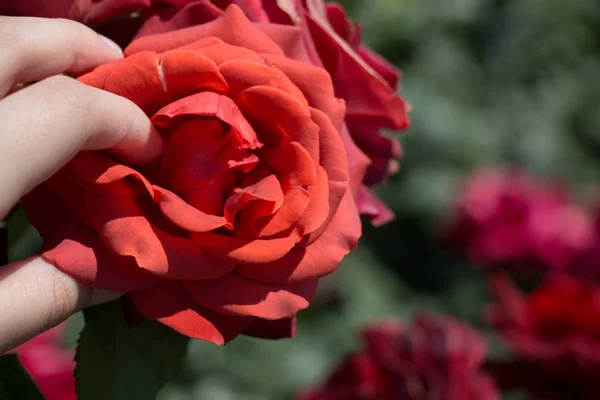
(251, 202)
(86, 11)
(555, 333)
(505, 217)
(50, 366)
(436, 357)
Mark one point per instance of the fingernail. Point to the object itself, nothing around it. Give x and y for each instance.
(111, 44)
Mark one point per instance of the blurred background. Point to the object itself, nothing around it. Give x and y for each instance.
(491, 83)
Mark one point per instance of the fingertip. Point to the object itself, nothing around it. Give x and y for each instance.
(142, 147)
(113, 48)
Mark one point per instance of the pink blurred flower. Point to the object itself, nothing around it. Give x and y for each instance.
(434, 358)
(50, 366)
(507, 217)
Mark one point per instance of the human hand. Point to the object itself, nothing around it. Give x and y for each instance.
(44, 125)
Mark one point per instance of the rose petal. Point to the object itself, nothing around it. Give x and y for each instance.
(244, 250)
(387, 71)
(209, 104)
(317, 259)
(199, 154)
(358, 162)
(373, 208)
(366, 93)
(292, 164)
(136, 78)
(100, 174)
(332, 154)
(239, 296)
(289, 38)
(101, 11)
(63, 185)
(166, 254)
(266, 193)
(221, 52)
(261, 105)
(184, 215)
(186, 72)
(169, 304)
(243, 74)
(77, 250)
(195, 13)
(295, 202)
(318, 209)
(232, 27)
(316, 85)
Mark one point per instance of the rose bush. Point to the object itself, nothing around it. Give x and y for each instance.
(437, 357)
(366, 81)
(251, 202)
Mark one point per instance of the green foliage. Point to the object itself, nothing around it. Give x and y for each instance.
(15, 383)
(117, 362)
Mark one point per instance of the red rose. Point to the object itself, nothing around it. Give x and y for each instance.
(50, 366)
(250, 203)
(366, 81)
(436, 357)
(362, 78)
(505, 217)
(555, 331)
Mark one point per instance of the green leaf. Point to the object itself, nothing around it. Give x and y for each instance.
(117, 362)
(15, 382)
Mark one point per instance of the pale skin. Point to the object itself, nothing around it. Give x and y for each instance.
(44, 125)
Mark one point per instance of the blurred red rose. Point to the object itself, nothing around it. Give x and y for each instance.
(555, 332)
(505, 217)
(589, 266)
(50, 366)
(250, 204)
(435, 358)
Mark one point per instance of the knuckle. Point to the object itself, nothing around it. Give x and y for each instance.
(63, 295)
(60, 296)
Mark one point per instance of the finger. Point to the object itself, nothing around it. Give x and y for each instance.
(35, 296)
(35, 48)
(48, 123)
